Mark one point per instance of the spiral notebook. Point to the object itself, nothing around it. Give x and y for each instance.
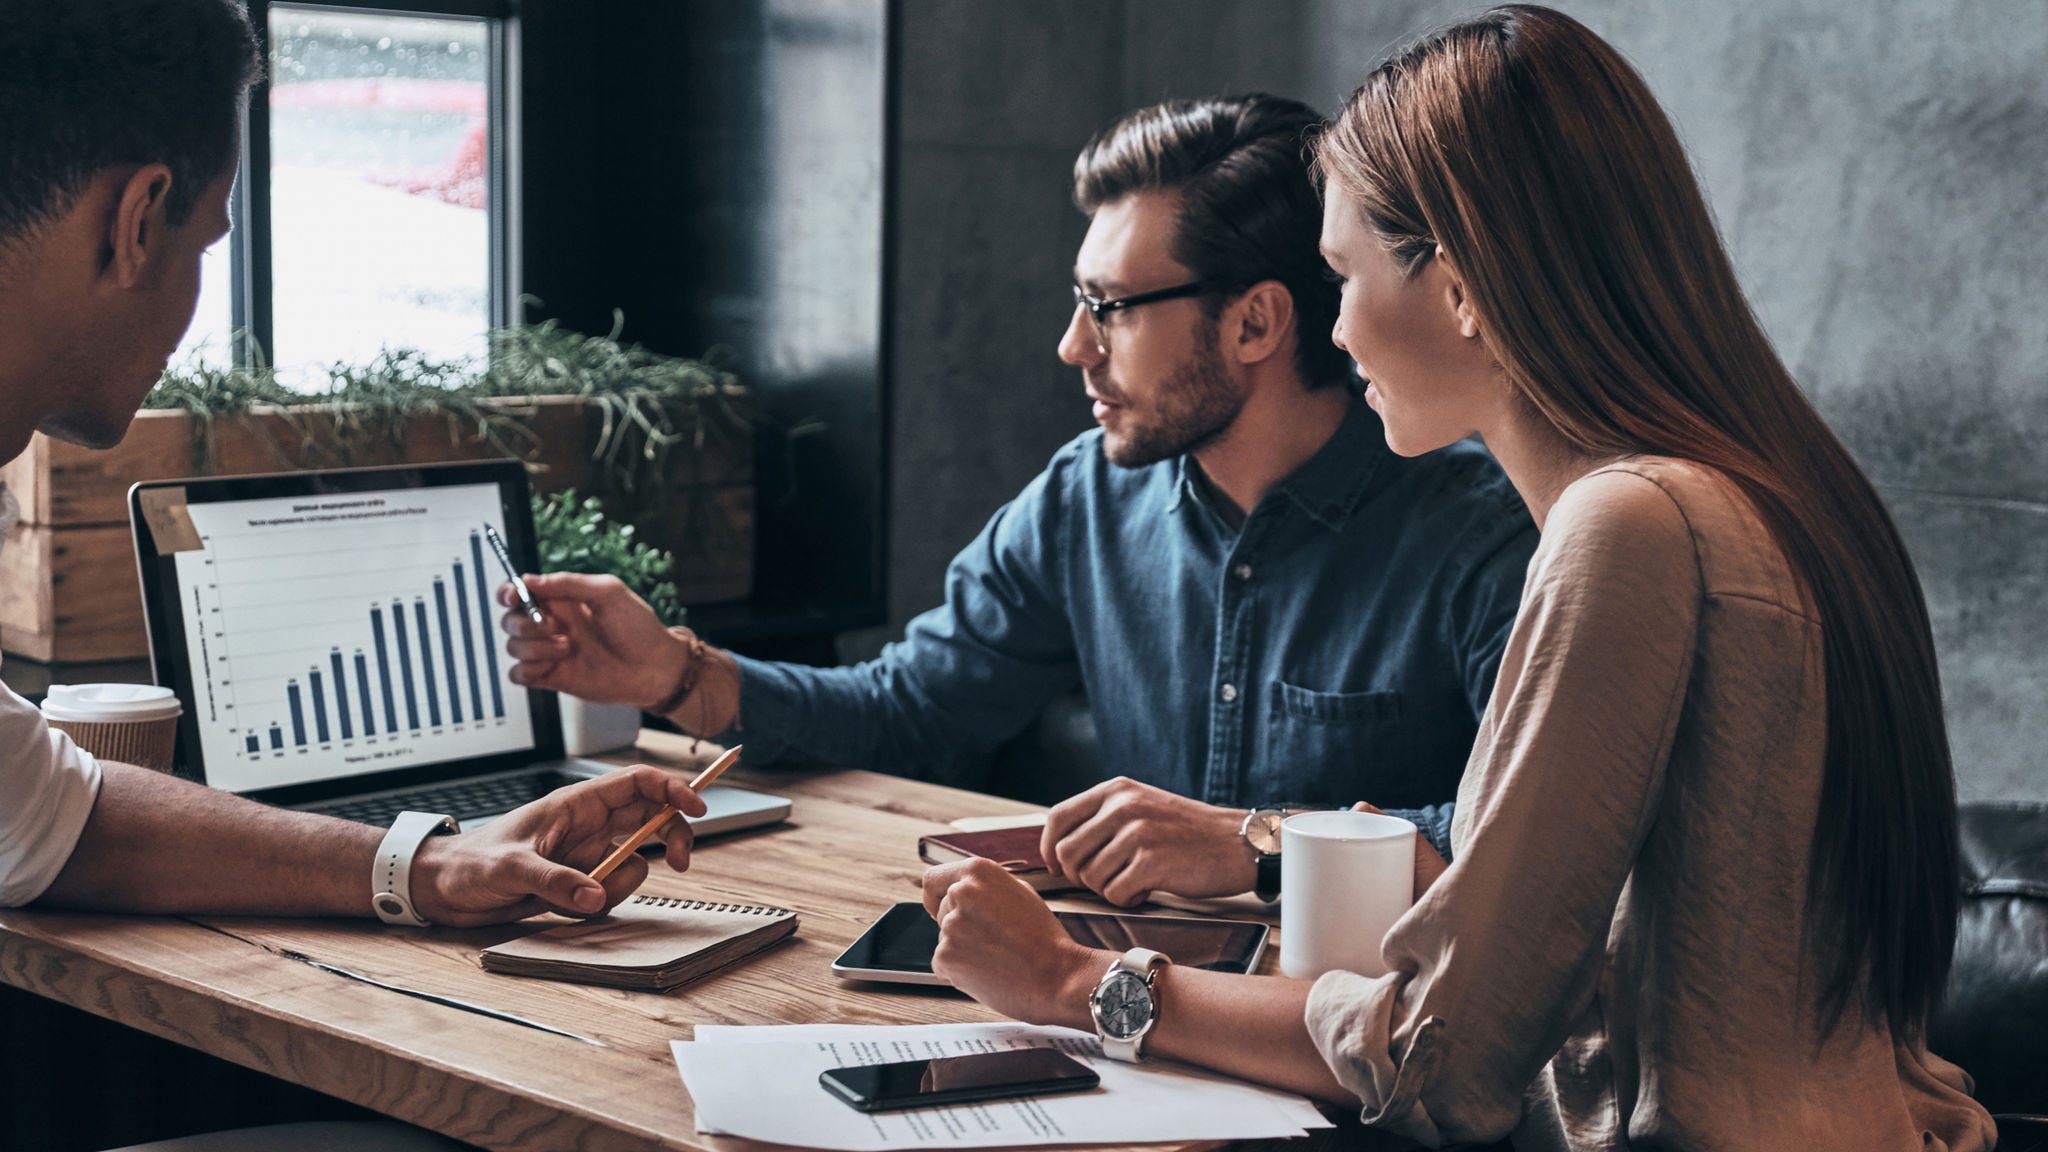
(649, 943)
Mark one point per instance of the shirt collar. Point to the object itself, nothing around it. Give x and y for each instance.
(1329, 485)
(1335, 481)
(1183, 479)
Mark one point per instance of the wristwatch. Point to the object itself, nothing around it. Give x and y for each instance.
(1125, 1004)
(391, 873)
(1261, 832)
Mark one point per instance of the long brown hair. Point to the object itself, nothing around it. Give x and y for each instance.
(1531, 151)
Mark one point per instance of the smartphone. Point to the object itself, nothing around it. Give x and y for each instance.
(958, 1079)
(898, 947)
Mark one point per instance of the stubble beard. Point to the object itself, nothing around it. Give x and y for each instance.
(1197, 404)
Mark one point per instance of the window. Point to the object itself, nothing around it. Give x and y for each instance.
(206, 341)
(371, 191)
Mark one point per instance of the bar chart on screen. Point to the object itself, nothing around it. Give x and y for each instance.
(337, 635)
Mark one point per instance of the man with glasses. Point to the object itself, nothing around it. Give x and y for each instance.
(1264, 605)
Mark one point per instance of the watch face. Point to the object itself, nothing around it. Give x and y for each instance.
(1123, 1005)
(1262, 831)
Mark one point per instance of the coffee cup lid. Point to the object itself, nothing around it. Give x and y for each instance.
(110, 703)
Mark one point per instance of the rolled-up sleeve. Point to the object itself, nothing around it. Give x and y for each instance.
(47, 789)
(1501, 959)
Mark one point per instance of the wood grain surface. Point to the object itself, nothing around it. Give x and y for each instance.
(226, 986)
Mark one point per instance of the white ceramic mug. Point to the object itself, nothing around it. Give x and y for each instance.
(1345, 877)
(132, 723)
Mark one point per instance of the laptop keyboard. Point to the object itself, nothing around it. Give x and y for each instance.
(462, 799)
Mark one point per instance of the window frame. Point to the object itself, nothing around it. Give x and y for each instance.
(252, 311)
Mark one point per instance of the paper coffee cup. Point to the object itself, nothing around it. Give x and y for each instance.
(132, 723)
(1345, 878)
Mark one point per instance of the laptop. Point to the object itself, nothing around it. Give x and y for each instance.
(334, 641)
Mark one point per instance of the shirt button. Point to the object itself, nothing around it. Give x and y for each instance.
(1242, 571)
(1228, 692)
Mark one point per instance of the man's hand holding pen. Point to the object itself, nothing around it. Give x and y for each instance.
(600, 642)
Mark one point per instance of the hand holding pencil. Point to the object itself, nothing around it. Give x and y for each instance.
(661, 819)
(540, 857)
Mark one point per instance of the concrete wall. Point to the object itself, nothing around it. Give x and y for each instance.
(1880, 172)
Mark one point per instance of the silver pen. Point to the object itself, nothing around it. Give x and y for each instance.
(512, 574)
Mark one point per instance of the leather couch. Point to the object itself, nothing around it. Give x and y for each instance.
(1994, 1019)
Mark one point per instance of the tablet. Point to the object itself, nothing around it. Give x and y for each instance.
(897, 948)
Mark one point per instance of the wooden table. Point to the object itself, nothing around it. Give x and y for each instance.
(221, 984)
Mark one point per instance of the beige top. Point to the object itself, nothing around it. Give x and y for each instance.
(1621, 926)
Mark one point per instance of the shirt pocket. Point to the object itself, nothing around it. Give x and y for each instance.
(1334, 708)
(1334, 748)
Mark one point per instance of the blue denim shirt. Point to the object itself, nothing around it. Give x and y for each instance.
(1339, 646)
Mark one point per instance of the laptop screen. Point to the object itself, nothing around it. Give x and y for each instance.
(338, 627)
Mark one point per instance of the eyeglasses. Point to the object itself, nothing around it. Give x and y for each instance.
(1099, 310)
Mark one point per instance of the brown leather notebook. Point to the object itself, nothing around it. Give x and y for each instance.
(649, 943)
(1016, 849)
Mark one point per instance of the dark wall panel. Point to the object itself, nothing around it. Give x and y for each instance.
(716, 171)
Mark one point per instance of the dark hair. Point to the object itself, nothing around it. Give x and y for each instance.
(87, 84)
(1536, 156)
(1249, 208)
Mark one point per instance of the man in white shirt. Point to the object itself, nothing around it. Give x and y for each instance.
(120, 150)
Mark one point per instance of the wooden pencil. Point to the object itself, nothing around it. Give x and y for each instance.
(659, 820)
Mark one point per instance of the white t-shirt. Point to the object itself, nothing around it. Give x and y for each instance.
(47, 787)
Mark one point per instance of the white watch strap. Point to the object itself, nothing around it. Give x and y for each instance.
(1140, 962)
(391, 873)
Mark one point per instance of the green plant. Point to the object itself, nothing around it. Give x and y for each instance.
(369, 404)
(656, 414)
(208, 393)
(650, 404)
(575, 536)
(378, 400)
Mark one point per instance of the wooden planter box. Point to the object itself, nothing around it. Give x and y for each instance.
(69, 589)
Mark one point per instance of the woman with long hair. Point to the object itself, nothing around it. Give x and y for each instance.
(1704, 886)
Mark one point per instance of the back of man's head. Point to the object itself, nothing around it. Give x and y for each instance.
(90, 84)
(1248, 204)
